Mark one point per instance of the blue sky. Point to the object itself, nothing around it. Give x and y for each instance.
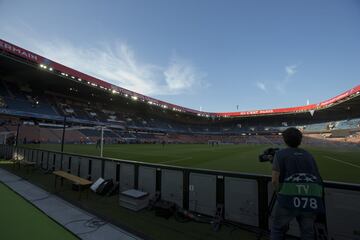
(209, 54)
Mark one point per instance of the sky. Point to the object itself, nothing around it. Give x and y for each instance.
(213, 55)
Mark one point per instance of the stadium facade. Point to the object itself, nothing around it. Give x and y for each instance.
(35, 87)
(38, 93)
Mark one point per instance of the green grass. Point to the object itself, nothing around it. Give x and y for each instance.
(20, 220)
(335, 164)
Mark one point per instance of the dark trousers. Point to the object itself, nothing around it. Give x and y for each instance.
(282, 217)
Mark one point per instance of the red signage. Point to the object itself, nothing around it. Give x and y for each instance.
(18, 51)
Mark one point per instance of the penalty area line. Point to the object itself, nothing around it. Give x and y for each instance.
(341, 161)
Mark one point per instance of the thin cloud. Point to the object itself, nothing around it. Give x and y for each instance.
(116, 63)
(261, 86)
(290, 71)
(119, 65)
(181, 75)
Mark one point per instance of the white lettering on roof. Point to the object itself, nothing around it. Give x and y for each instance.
(18, 51)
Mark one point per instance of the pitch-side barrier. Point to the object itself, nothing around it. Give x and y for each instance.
(244, 197)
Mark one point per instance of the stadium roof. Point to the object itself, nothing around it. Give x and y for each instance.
(51, 66)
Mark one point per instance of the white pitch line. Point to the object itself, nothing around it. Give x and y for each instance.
(341, 161)
(176, 160)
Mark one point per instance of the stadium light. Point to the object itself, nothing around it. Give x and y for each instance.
(134, 98)
(51, 69)
(150, 102)
(79, 79)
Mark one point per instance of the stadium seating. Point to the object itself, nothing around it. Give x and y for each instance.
(131, 125)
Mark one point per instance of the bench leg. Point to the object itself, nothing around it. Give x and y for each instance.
(80, 191)
(55, 183)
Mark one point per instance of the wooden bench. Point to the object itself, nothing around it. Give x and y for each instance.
(82, 183)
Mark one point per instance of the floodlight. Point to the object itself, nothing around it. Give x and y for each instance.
(51, 69)
(134, 98)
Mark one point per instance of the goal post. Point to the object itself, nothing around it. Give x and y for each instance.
(4, 136)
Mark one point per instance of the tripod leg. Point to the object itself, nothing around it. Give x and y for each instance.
(272, 203)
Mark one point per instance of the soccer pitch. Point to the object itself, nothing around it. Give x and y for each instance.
(341, 165)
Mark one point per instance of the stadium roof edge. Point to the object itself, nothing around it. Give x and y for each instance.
(72, 73)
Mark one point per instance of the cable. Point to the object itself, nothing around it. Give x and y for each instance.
(42, 198)
(74, 221)
(259, 233)
(96, 223)
(92, 223)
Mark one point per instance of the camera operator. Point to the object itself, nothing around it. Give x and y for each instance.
(297, 182)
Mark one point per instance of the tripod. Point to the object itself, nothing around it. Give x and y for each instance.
(272, 203)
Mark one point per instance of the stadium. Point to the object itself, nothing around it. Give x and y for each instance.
(56, 118)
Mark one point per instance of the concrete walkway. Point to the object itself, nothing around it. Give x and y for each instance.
(81, 223)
